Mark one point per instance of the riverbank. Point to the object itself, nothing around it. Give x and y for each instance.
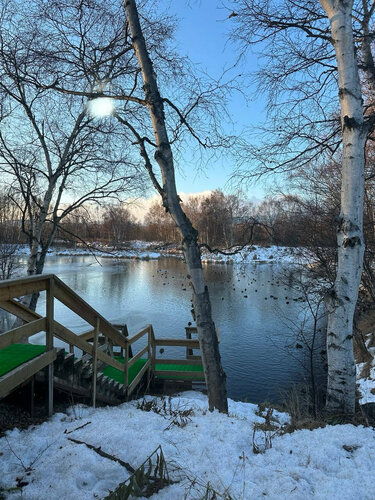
(154, 250)
(204, 452)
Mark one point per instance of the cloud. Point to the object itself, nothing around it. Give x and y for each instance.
(140, 206)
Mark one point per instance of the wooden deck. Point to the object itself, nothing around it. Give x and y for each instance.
(100, 371)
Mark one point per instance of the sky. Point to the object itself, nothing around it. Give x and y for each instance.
(202, 35)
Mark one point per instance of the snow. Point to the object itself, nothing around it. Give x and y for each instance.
(212, 448)
(133, 252)
(366, 384)
(256, 253)
(154, 250)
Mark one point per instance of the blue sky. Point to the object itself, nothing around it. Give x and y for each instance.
(202, 35)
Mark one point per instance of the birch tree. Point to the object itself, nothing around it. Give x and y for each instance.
(307, 56)
(214, 373)
(342, 299)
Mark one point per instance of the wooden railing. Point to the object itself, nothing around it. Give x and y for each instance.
(189, 345)
(87, 342)
(35, 323)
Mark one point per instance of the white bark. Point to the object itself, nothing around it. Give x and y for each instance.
(214, 374)
(342, 300)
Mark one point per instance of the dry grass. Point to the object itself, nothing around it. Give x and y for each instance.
(296, 403)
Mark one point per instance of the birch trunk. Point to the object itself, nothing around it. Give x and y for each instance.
(341, 302)
(214, 373)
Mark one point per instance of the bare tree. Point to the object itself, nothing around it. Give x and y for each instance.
(342, 299)
(214, 374)
(90, 55)
(309, 56)
(54, 155)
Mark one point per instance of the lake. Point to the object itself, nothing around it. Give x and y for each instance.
(252, 308)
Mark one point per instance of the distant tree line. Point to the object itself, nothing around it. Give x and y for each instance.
(223, 221)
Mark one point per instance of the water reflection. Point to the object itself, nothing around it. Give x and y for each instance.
(248, 305)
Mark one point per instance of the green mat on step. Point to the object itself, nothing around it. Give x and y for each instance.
(138, 365)
(16, 354)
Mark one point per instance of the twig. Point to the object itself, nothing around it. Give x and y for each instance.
(102, 453)
(77, 428)
(39, 454)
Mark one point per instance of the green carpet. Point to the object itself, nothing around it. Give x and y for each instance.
(117, 375)
(136, 368)
(15, 354)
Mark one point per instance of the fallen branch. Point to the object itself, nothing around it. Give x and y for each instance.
(102, 453)
(77, 428)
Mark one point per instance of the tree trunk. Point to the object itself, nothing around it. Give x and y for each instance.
(215, 376)
(342, 299)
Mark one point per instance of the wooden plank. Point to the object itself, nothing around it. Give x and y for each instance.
(25, 279)
(153, 349)
(19, 375)
(69, 337)
(19, 289)
(50, 313)
(137, 379)
(138, 335)
(69, 388)
(191, 329)
(181, 375)
(137, 356)
(50, 302)
(17, 334)
(103, 356)
(125, 333)
(94, 361)
(69, 298)
(20, 310)
(191, 357)
(194, 344)
(89, 335)
(126, 368)
(179, 361)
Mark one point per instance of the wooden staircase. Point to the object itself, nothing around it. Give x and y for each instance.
(75, 376)
(82, 375)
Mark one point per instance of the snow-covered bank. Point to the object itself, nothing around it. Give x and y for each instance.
(329, 463)
(155, 250)
(256, 253)
(145, 251)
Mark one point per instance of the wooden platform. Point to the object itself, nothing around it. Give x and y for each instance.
(97, 371)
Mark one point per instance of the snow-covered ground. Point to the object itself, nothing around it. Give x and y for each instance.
(154, 250)
(137, 250)
(366, 375)
(335, 462)
(256, 253)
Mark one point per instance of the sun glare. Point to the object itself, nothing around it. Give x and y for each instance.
(102, 106)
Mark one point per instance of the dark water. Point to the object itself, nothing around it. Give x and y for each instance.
(252, 307)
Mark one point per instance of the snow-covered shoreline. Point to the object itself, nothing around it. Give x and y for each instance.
(155, 250)
(326, 463)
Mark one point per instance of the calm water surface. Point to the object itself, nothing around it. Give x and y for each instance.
(250, 307)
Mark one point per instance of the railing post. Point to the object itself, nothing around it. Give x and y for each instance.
(94, 360)
(153, 349)
(189, 352)
(149, 355)
(126, 372)
(49, 339)
(125, 333)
